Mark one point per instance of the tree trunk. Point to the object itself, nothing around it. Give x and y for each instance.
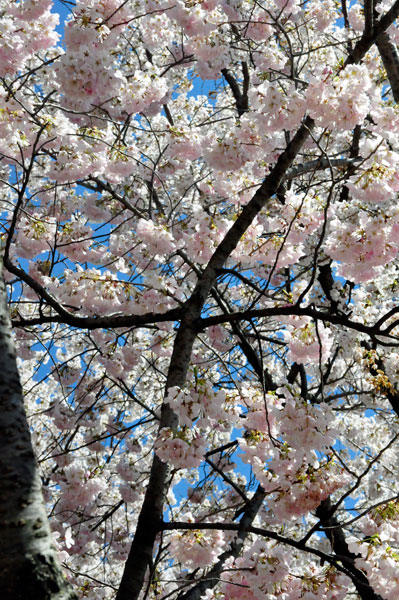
(28, 562)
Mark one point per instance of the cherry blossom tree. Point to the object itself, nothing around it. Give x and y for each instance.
(200, 236)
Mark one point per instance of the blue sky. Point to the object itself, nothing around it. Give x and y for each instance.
(63, 12)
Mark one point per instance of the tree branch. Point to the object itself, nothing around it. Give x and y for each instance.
(335, 534)
(367, 41)
(368, 8)
(213, 576)
(332, 560)
(241, 98)
(68, 318)
(319, 164)
(308, 311)
(390, 60)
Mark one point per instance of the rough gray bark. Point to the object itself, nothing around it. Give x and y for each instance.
(28, 564)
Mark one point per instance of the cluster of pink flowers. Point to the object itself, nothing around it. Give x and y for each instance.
(35, 235)
(280, 238)
(79, 487)
(183, 449)
(268, 570)
(346, 96)
(196, 548)
(365, 244)
(204, 405)
(377, 549)
(308, 342)
(25, 28)
(287, 446)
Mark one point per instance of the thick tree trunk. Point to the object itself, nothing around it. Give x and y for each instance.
(28, 564)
